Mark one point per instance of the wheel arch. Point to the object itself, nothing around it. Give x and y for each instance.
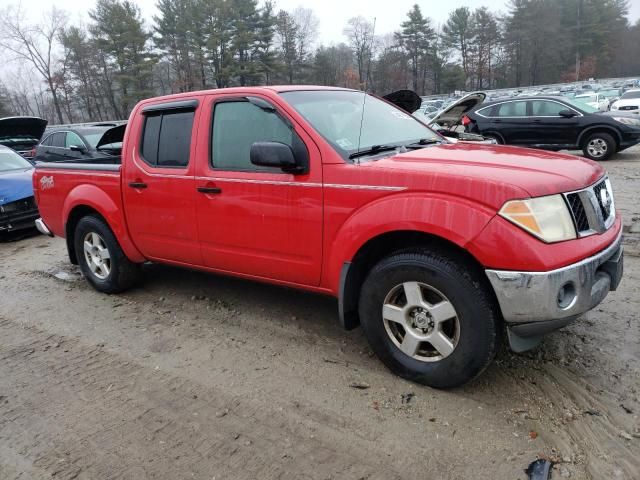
(600, 128)
(354, 272)
(493, 133)
(90, 200)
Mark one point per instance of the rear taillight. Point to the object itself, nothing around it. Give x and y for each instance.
(466, 120)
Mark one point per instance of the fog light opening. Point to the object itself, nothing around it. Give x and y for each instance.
(567, 296)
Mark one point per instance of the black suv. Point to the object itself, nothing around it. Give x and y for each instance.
(555, 123)
(95, 142)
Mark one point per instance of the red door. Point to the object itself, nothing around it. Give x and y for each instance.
(252, 220)
(159, 182)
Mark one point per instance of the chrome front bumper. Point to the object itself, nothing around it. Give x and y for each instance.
(534, 303)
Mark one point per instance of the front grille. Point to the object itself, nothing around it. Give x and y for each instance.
(22, 205)
(601, 192)
(579, 214)
(17, 214)
(592, 209)
(629, 107)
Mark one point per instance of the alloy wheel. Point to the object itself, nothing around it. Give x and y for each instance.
(97, 255)
(597, 147)
(421, 321)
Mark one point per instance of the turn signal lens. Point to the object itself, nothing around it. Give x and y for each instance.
(547, 218)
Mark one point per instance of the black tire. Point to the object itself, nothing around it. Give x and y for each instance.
(599, 142)
(121, 274)
(495, 137)
(477, 319)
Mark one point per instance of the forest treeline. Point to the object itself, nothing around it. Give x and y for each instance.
(99, 70)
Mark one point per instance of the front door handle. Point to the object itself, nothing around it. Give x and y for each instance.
(209, 190)
(138, 185)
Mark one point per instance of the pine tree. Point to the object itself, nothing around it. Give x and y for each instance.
(457, 34)
(415, 38)
(118, 30)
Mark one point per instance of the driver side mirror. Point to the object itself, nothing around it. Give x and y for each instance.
(280, 155)
(567, 113)
(76, 148)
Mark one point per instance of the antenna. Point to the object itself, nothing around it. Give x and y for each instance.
(366, 81)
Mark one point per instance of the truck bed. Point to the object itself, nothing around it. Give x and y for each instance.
(56, 184)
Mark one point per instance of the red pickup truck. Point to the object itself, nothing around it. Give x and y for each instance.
(433, 247)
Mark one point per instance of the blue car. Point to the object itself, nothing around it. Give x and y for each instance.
(18, 208)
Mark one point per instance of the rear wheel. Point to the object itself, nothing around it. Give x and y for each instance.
(428, 319)
(102, 261)
(599, 146)
(496, 138)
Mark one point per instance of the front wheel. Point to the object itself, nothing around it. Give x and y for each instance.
(428, 319)
(599, 146)
(102, 261)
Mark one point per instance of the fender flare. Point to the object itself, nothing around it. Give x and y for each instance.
(97, 199)
(453, 219)
(608, 128)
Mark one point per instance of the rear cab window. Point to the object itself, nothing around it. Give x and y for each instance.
(167, 133)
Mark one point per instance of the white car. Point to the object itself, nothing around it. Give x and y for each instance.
(629, 102)
(595, 100)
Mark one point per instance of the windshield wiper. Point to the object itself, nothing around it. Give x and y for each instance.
(373, 149)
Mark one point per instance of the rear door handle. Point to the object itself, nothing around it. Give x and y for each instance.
(138, 185)
(209, 190)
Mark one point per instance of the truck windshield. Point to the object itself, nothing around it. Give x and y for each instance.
(339, 115)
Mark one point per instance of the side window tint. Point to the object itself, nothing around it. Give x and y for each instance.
(486, 112)
(541, 108)
(512, 109)
(58, 139)
(73, 139)
(175, 139)
(46, 141)
(236, 126)
(166, 139)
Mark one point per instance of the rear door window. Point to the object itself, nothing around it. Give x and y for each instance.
(166, 138)
(58, 139)
(511, 109)
(545, 108)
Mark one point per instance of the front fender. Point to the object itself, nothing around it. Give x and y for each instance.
(607, 128)
(451, 218)
(97, 199)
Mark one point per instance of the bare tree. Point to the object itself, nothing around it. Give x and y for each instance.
(360, 32)
(36, 44)
(307, 31)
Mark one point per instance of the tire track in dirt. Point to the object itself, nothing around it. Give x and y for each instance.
(174, 428)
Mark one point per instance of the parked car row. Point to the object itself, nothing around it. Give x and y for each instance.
(18, 209)
(25, 141)
(555, 123)
(546, 122)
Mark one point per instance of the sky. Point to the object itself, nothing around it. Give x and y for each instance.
(333, 14)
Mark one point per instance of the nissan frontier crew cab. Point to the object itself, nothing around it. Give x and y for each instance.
(435, 248)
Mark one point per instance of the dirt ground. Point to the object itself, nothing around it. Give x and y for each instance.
(199, 376)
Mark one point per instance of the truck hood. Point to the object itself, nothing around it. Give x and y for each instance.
(526, 171)
(15, 185)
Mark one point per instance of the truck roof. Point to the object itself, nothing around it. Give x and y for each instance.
(243, 90)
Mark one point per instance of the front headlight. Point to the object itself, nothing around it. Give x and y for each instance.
(547, 218)
(628, 121)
